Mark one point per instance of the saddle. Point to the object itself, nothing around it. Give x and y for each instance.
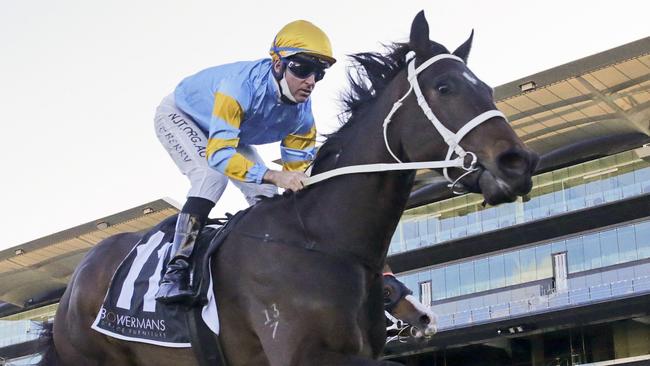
(130, 311)
(210, 239)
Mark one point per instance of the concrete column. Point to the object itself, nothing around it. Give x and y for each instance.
(537, 350)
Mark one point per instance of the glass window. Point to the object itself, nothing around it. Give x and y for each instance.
(558, 246)
(607, 277)
(506, 214)
(446, 225)
(558, 200)
(410, 281)
(593, 279)
(544, 261)
(395, 242)
(474, 223)
(628, 186)
(410, 232)
(452, 280)
(642, 176)
(611, 190)
(531, 207)
(432, 229)
(626, 244)
(497, 271)
(546, 202)
(423, 235)
(466, 278)
(594, 192)
(511, 264)
(481, 275)
(642, 231)
(438, 289)
(575, 254)
(424, 276)
(591, 244)
(609, 247)
(575, 196)
(489, 219)
(528, 265)
(460, 226)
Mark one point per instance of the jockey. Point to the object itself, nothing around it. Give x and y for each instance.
(210, 123)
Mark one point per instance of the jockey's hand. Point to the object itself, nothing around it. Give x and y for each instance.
(292, 181)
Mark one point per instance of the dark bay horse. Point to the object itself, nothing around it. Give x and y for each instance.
(405, 311)
(299, 268)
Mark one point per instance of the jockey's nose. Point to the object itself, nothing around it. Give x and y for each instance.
(311, 79)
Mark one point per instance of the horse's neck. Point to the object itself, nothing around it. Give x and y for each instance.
(358, 213)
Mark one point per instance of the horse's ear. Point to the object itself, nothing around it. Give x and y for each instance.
(463, 50)
(419, 40)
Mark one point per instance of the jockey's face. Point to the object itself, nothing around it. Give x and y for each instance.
(299, 87)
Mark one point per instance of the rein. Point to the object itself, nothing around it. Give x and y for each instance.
(450, 138)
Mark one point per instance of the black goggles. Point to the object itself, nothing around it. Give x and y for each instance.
(304, 69)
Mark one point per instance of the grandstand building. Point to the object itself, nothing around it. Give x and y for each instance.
(560, 277)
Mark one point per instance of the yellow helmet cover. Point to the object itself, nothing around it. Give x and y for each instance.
(301, 36)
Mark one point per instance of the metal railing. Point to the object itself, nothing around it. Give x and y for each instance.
(545, 302)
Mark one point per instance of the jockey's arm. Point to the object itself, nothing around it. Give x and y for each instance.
(297, 152)
(285, 179)
(221, 151)
(298, 149)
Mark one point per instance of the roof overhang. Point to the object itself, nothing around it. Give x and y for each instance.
(38, 271)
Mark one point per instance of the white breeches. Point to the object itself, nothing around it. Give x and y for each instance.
(186, 144)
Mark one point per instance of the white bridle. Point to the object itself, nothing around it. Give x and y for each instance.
(452, 139)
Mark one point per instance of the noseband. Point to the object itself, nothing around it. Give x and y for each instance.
(450, 138)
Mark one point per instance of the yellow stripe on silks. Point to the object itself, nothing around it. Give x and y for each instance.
(238, 166)
(295, 166)
(216, 144)
(301, 142)
(228, 109)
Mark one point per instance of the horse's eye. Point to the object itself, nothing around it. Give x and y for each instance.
(442, 88)
(386, 293)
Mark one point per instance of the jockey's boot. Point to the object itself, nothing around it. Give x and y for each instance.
(176, 286)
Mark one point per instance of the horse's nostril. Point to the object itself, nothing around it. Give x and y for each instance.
(514, 161)
(424, 319)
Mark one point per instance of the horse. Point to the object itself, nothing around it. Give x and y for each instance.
(298, 268)
(405, 312)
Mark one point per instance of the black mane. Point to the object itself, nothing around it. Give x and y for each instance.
(369, 75)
